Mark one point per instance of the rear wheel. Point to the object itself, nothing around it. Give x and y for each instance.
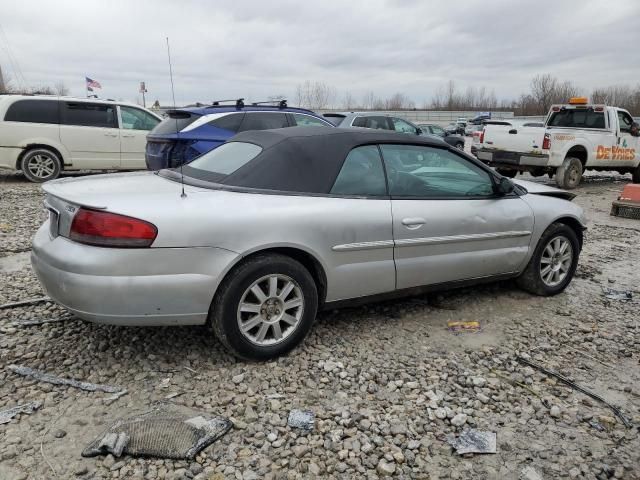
(264, 307)
(553, 263)
(569, 174)
(40, 165)
(507, 172)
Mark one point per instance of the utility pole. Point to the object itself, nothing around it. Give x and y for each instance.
(143, 90)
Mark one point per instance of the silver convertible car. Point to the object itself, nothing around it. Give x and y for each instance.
(257, 235)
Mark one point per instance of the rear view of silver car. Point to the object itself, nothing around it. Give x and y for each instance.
(274, 225)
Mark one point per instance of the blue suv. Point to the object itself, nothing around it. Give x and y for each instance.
(189, 132)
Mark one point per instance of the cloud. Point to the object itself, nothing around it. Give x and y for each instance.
(255, 49)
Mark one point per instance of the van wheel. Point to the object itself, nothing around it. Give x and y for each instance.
(507, 172)
(264, 307)
(40, 165)
(553, 263)
(569, 174)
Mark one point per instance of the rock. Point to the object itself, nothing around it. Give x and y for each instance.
(398, 428)
(440, 413)
(414, 444)
(574, 472)
(459, 420)
(529, 473)
(314, 469)
(238, 378)
(80, 469)
(108, 461)
(479, 382)
(272, 437)
(59, 433)
(300, 450)
(482, 397)
(385, 469)
(555, 411)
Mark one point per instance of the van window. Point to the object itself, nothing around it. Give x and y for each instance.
(33, 111)
(136, 119)
(89, 114)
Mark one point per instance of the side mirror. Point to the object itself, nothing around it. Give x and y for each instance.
(504, 186)
(513, 131)
(635, 129)
(418, 131)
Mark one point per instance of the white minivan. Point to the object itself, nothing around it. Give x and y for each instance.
(43, 135)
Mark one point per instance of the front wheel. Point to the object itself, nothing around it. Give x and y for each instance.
(553, 263)
(264, 307)
(40, 165)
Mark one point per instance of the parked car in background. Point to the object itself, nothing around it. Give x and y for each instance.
(471, 128)
(276, 224)
(575, 137)
(455, 128)
(452, 139)
(186, 133)
(44, 135)
(373, 120)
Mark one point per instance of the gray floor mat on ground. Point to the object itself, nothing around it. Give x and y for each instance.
(166, 431)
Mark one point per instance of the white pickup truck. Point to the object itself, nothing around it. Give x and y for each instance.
(575, 137)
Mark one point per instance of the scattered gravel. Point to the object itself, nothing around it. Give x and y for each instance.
(386, 383)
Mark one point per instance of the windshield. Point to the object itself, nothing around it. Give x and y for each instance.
(227, 158)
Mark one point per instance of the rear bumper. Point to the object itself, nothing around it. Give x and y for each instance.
(9, 157)
(146, 286)
(511, 159)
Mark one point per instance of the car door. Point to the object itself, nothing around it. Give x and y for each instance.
(627, 143)
(90, 133)
(135, 124)
(448, 224)
(361, 254)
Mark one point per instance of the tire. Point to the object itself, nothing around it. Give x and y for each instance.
(261, 316)
(635, 175)
(507, 172)
(40, 165)
(534, 279)
(569, 174)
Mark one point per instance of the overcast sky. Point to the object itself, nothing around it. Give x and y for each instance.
(254, 49)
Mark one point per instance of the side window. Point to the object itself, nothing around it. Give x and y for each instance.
(402, 126)
(136, 119)
(361, 174)
(89, 115)
(33, 111)
(420, 171)
(436, 130)
(229, 122)
(302, 120)
(625, 121)
(380, 123)
(263, 121)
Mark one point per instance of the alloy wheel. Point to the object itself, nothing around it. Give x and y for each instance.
(556, 261)
(41, 165)
(270, 309)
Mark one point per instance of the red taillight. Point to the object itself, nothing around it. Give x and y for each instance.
(546, 143)
(482, 136)
(111, 230)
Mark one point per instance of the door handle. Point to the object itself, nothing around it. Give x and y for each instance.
(111, 134)
(128, 136)
(413, 222)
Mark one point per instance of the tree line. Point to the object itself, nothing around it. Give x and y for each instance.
(544, 91)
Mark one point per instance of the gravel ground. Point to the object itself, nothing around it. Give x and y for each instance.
(386, 382)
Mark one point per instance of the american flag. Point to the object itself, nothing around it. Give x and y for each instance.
(91, 84)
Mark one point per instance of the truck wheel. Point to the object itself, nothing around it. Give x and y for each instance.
(40, 165)
(507, 172)
(569, 174)
(553, 263)
(635, 175)
(264, 307)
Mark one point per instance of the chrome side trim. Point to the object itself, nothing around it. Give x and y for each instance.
(413, 242)
(349, 247)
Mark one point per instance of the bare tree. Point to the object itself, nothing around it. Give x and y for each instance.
(3, 88)
(60, 88)
(369, 101)
(398, 101)
(349, 101)
(315, 95)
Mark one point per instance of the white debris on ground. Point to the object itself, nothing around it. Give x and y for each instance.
(386, 383)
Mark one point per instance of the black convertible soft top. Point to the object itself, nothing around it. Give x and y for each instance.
(304, 159)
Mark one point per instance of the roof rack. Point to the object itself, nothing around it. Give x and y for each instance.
(239, 102)
(281, 103)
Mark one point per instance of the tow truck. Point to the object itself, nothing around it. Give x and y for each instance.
(577, 136)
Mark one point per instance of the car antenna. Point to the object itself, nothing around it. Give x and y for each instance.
(173, 95)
